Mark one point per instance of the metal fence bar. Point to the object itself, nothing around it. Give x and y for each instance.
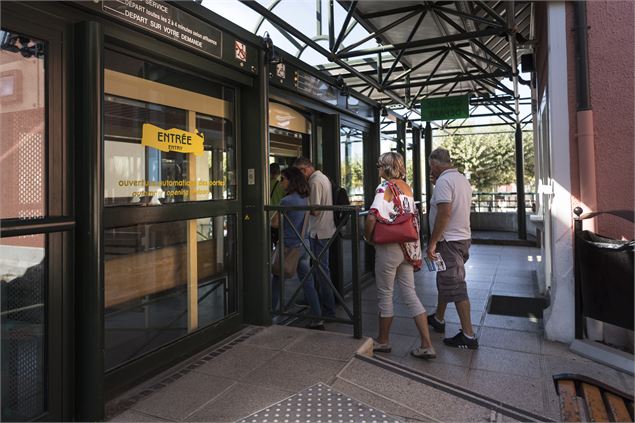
(352, 214)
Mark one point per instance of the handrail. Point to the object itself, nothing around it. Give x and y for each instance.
(352, 213)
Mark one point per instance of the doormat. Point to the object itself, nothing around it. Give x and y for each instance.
(319, 404)
(517, 306)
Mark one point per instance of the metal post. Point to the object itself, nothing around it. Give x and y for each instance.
(427, 148)
(281, 215)
(578, 318)
(89, 292)
(520, 186)
(357, 294)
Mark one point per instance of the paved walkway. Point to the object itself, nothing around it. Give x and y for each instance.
(514, 362)
(263, 369)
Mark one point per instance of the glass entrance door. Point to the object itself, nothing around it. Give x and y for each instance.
(171, 205)
(35, 225)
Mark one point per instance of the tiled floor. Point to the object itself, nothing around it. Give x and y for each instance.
(514, 363)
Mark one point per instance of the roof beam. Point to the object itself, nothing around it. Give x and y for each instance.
(415, 28)
(419, 43)
(342, 34)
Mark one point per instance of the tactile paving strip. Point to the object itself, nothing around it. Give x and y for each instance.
(319, 404)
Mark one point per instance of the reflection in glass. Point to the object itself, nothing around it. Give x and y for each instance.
(146, 283)
(216, 263)
(23, 295)
(352, 163)
(215, 169)
(23, 123)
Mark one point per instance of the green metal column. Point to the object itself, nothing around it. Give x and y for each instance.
(427, 150)
(520, 185)
(254, 182)
(89, 300)
(416, 162)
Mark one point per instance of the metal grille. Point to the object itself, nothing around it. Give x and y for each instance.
(23, 343)
(31, 175)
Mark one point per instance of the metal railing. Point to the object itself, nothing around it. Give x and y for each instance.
(496, 202)
(501, 202)
(285, 306)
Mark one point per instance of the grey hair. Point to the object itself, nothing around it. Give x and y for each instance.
(440, 155)
(391, 166)
(302, 161)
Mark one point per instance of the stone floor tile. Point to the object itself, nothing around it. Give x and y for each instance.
(475, 284)
(227, 407)
(236, 362)
(409, 393)
(455, 375)
(181, 398)
(451, 316)
(136, 416)
(276, 337)
(506, 361)
(401, 345)
(519, 391)
(390, 407)
(293, 372)
(558, 349)
(450, 355)
(510, 340)
(330, 345)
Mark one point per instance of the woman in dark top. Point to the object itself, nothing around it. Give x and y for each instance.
(297, 189)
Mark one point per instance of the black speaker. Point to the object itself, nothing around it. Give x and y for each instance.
(527, 63)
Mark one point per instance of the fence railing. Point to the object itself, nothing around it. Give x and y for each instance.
(497, 202)
(285, 307)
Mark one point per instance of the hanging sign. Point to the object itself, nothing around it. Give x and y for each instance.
(172, 140)
(169, 22)
(444, 108)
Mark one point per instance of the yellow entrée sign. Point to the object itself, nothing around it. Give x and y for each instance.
(172, 139)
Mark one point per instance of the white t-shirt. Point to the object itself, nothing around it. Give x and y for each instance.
(321, 194)
(452, 187)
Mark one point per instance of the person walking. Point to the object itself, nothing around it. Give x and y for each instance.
(451, 237)
(297, 189)
(321, 229)
(396, 263)
(275, 195)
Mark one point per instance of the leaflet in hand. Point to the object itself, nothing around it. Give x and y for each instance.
(436, 265)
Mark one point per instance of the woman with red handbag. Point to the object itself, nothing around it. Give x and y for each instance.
(393, 227)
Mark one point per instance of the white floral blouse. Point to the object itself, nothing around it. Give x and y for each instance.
(386, 211)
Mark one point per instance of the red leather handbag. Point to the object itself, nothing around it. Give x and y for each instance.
(402, 229)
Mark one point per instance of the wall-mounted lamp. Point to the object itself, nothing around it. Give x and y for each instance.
(271, 54)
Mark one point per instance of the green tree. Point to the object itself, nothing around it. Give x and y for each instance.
(489, 159)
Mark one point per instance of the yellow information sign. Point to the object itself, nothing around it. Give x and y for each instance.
(172, 140)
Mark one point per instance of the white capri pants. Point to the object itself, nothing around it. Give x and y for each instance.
(391, 267)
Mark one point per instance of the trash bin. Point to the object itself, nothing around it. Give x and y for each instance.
(604, 277)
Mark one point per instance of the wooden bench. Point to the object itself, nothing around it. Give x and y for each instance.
(585, 399)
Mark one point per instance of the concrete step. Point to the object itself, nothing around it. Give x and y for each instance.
(415, 396)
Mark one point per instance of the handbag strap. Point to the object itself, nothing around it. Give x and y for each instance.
(274, 187)
(395, 193)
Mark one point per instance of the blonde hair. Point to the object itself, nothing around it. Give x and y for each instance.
(391, 166)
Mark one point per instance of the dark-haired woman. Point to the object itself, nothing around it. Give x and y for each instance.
(297, 188)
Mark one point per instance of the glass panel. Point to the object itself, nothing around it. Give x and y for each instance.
(23, 295)
(215, 169)
(137, 174)
(145, 274)
(352, 163)
(347, 251)
(216, 244)
(128, 165)
(23, 123)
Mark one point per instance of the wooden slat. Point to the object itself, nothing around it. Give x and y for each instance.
(568, 402)
(595, 405)
(617, 408)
